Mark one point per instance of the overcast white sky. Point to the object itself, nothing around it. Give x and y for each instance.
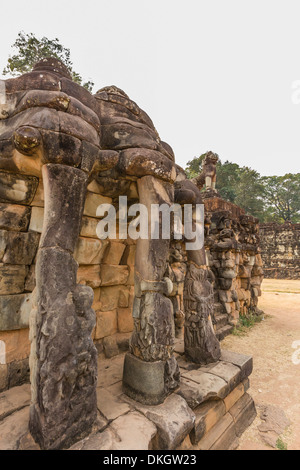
(212, 74)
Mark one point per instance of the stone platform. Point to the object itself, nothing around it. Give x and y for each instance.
(209, 411)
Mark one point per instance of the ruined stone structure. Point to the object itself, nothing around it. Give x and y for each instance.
(235, 262)
(63, 153)
(280, 250)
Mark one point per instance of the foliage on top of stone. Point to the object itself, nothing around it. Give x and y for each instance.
(269, 198)
(30, 50)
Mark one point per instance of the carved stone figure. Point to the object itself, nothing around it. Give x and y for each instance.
(208, 176)
(201, 344)
(51, 131)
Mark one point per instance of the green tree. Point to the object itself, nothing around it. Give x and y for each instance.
(228, 180)
(194, 166)
(239, 185)
(30, 50)
(250, 192)
(282, 197)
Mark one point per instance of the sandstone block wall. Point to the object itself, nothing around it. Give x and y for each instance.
(280, 250)
(232, 245)
(107, 266)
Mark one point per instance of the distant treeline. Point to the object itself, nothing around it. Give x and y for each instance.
(270, 198)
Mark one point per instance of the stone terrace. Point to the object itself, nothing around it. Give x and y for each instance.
(209, 411)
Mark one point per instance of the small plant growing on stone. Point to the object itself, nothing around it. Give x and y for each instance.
(280, 445)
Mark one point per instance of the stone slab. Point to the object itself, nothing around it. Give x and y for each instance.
(110, 406)
(228, 372)
(18, 247)
(245, 363)
(13, 428)
(207, 415)
(243, 413)
(15, 311)
(217, 431)
(197, 387)
(36, 219)
(140, 436)
(17, 188)
(12, 278)
(90, 251)
(112, 275)
(14, 400)
(14, 217)
(173, 418)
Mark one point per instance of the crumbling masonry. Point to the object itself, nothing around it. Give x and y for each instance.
(63, 152)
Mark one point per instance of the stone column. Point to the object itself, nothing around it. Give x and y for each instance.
(150, 370)
(63, 358)
(200, 342)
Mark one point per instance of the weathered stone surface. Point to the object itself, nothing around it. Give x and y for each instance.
(245, 363)
(274, 419)
(129, 255)
(110, 346)
(201, 343)
(173, 418)
(144, 381)
(18, 247)
(30, 279)
(64, 189)
(106, 324)
(114, 253)
(243, 413)
(207, 415)
(112, 275)
(207, 386)
(110, 406)
(108, 298)
(3, 377)
(62, 355)
(126, 297)
(125, 320)
(36, 219)
(88, 227)
(234, 396)
(90, 251)
(228, 440)
(142, 432)
(141, 162)
(89, 276)
(17, 345)
(100, 441)
(280, 250)
(224, 430)
(15, 311)
(18, 373)
(92, 202)
(229, 372)
(14, 400)
(18, 189)
(39, 197)
(14, 217)
(12, 279)
(27, 443)
(13, 428)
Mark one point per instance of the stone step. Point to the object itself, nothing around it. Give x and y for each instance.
(218, 308)
(221, 320)
(224, 331)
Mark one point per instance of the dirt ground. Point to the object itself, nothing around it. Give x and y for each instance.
(275, 346)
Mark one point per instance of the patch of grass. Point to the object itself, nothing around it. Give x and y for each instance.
(246, 322)
(280, 445)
